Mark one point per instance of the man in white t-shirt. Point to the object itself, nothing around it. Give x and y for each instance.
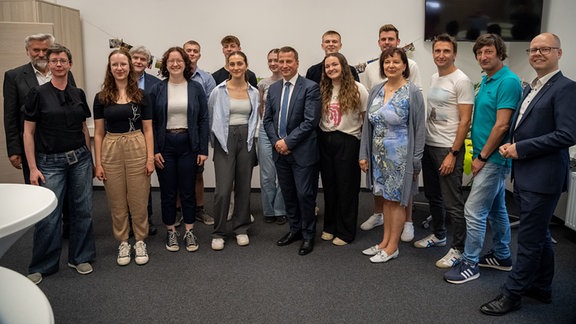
(388, 36)
(450, 101)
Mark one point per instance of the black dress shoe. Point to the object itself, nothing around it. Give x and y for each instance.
(306, 247)
(269, 219)
(289, 238)
(538, 294)
(281, 220)
(152, 230)
(500, 305)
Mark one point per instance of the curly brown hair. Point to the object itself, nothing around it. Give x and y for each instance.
(109, 94)
(164, 66)
(348, 96)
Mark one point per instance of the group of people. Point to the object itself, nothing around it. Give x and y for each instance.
(326, 124)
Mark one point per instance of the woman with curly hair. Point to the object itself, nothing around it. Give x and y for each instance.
(343, 106)
(180, 123)
(124, 153)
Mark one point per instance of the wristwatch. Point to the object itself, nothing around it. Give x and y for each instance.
(454, 152)
(481, 158)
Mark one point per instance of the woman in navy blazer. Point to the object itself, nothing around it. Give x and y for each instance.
(180, 124)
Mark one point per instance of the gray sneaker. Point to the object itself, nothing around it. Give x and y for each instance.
(123, 254)
(82, 268)
(35, 277)
(203, 217)
(191, 241)
(172, 241)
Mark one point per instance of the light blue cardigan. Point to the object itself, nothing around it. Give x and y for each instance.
(219, 112)
(416, 137)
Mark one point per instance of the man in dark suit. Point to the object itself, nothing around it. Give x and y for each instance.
(293, 109)
(142, 60)
(542, 130)
(331, 43)
(17, 83)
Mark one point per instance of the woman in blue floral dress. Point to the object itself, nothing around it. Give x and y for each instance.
(391, 147)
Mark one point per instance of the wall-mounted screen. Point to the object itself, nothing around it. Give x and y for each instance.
(514, 20)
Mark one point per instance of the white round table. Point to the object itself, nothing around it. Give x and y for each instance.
(21, 301)
(22, 206)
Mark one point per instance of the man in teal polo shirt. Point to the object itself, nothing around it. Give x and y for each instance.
(495, 103)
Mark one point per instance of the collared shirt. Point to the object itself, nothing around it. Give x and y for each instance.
(141, 81)
(292, 83)
(205, 79)
(535, 86)
(42, 79)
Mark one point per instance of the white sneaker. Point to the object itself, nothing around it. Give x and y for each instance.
(140, 253)
(430, 241)
(450, 259)
(373, 250)
(372, 221)
(242, 239)
(382, 256)
(408, 232)
(217, 244)
(123, 254)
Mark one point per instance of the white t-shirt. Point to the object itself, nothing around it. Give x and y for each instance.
(443, 117)
(373, 78)
(350, 124)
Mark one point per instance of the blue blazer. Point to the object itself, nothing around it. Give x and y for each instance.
(302, 120)
(149, 82)
(543, 136)
(198, 130)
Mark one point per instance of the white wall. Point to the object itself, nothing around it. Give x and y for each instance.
(264, 24)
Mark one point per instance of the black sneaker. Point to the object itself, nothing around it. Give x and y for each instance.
(281, 220)
(191, 241)
(491, 261)
(172, 241)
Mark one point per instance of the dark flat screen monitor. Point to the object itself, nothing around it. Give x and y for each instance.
(514, 20)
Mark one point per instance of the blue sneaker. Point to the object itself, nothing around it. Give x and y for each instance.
(461, 273)
(491, 261)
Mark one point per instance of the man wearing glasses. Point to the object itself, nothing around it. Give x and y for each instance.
(541, 132)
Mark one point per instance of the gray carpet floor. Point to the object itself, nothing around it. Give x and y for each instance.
(264, 283)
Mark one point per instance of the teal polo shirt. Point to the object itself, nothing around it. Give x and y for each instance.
(503, 90)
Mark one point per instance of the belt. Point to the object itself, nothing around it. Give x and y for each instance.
(177, 131)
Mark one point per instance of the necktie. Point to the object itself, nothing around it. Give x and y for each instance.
(284, 110)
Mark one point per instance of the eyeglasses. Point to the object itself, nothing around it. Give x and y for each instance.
(542, 50)
(61, 61)
(171, 62)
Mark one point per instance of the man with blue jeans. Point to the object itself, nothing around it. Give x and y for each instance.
(495, 103)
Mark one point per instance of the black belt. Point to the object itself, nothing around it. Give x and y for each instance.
(177, 130)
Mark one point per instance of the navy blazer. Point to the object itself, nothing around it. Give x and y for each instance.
(198, 130)
(17, 84)
(302, 120)
(543, 136)
(149, 82)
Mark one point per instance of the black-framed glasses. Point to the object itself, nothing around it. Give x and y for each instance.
(542, 50)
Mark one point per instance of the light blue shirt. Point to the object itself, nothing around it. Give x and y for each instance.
(206, 80)
(141, 81)
(219, 112)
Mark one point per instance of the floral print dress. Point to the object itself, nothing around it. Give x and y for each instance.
(390, 142)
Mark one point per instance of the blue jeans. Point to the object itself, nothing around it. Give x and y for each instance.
(63, 173)
(271, 195)
(487, 201)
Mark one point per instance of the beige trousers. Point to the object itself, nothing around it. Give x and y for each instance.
(127, 185)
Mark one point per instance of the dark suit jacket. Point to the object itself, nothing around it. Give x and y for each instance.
(149, 81)
(314, 73)
(303, 117)
(17, 84)
(543, 136)
(197, 112)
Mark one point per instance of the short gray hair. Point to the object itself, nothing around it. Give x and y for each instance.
(141, 50)
(40, 38)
